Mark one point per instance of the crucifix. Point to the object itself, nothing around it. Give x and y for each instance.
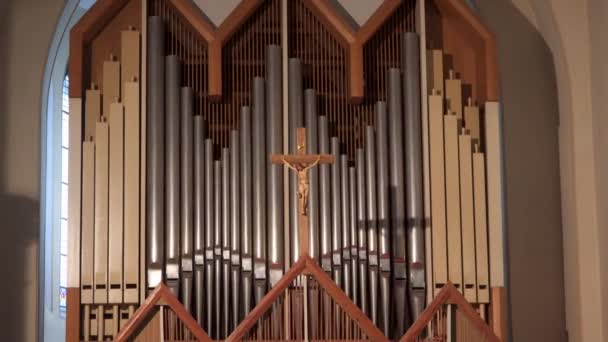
(301, 163)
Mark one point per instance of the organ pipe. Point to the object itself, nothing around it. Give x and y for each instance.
(259, 189)
(187, 187)
(295, 120)
(354, 251)
(199, 243)
(397, 198)
(235, 227)
(246, 208)
(413, 171)
(218, 284)
(383, 217)
(310, 107)
(336, 226)
(274, 126)
(226, 243)
(361, 225)
(325, 222)
(372, 219)
(345, 228)
(155, 146)
(209, 236)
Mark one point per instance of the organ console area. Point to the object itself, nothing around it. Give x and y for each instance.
(183, 229)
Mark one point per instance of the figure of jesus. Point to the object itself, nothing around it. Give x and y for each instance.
(302, 173)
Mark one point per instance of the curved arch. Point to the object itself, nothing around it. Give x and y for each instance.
(51, 326)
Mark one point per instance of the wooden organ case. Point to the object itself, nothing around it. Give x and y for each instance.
(182, 229)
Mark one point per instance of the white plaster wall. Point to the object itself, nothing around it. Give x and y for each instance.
(575, 33)
(26, 28)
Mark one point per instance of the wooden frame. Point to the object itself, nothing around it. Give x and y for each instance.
(353, 41)
(161, 296)
(463, 36)
(215, 38)
(448, 295)
(306, 265)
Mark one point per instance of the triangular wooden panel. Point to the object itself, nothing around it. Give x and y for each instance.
(161, 296)
(279, 296)
(450, 295)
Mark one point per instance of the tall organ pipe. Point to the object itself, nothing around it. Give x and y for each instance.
(361, 218)
(217, 242)
(155, 150)
(372, 219)
(325, 222)
(199, 242)
(187, 187)
(246, 209)
(336, 226)
(226, 274)
(209, 237)
(235, 227)
(413, 171)
(345, 229)
(172, 181)
(310, 107)
(397, 199)
(383, 217)
(354, 251)
(274, 125)
(259, 189)
(295, 120)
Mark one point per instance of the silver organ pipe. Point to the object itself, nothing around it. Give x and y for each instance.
(235, 227)
(325, 221)
(310, 108)
(246, 209)
(259, 189)
(186, 192)
(295, 120)
(336, 226)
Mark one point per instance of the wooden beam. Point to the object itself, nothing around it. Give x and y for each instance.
(161, 296)
(72, 321)
(215, 38)
(351, 40)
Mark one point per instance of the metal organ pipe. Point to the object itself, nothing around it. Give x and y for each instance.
(199, 242)
(383, 216)
(260, 160)
(274, 125)
(372, 221)
(397, 199)
(336, 225)
(235, 227)
(325, 222)
(226, 241)
(295, 120)
(310, 108)
(345, 228)
(155, 157)
(354, 251)
(413, 171)
(187, 187)
(172, 181)
(246, 209)
(209, 237)
(217, 243)
(361, 219)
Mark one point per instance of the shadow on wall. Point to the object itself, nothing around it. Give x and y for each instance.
(19, 216)
(532, 177)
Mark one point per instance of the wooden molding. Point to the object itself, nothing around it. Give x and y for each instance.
(306, 265)
(161, 296)
(498, 309)
(91, 23)
(72, 321)
(459, 14)
(448, 295)
(353, 41)
(215, 38)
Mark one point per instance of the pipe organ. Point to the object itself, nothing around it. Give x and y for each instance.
(182, 228)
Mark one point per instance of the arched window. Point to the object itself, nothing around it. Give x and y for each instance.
(54, 197)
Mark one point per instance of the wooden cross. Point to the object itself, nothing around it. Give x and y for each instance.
(300, 163)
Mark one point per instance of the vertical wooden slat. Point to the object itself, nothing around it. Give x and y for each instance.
(438, 205)
(453, 94)
(481, 227)
(452, 187)
(471, 121)
(468, 218)
(100, 275)
(116, 200)
(110, 91)
(92, 111)
(74, 192)
(132, 194)
(88, 221)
